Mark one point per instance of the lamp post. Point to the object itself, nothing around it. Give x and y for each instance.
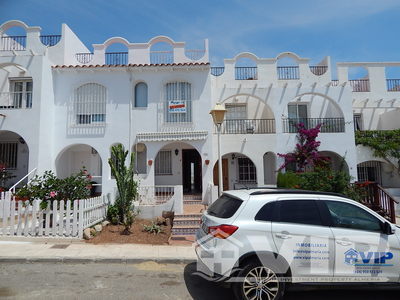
(218, 114)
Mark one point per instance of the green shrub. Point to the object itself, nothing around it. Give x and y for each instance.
(153, 228)
(288, 180)
(112, 214)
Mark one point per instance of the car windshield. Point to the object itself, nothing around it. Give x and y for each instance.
(225, 207)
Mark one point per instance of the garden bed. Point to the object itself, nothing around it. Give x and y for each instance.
(112, 234)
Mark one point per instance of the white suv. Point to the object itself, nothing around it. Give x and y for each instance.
(262, 239)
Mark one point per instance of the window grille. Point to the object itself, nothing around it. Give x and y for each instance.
(9, 154)
(178, 96)
(163, 163)
(247, 170)
(369, 171)
(90, 104)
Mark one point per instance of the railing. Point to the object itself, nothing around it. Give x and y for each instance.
(12, 189)
(248, 126)
(335, 82)
(50, 40)
(117, 58)
(84, 58)
(379, 200)
(94, 210)
(318, 70)
(161, 57)
(360, 85)
(246, 73)
(13, 100)
(393, 85)
(155, 195)
(17, 43)
(195, 54)
(217, 71)
(288, 73)
(327, 124)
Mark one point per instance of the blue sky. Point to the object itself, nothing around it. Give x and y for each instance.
(347, 30)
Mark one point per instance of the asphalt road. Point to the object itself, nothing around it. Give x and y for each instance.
(146, 280)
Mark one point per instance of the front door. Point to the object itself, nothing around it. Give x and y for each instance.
(191, 171)
(225, 174)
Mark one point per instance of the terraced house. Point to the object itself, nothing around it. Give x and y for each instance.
(63, 105)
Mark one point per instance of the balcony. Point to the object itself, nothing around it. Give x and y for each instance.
(360, 85)
(329, 125)
(10, 43)
(116, 58)
(288, 73)
(84, 58)
(15, 100)
(248, 126)
(217, 71)
(246, 73)
(393, 85)
(161, 57)
(50, 40)
(318, 70)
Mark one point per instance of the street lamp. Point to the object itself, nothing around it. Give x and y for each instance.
(218, 114)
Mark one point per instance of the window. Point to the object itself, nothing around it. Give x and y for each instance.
(247, 170)
(90, 104)
(369, 171)
(357, 119)
(9, 154)
(21, 93)
(163, 163)
(236, 111)
(225, 207)
(297, 113)
(267, 212)
(346, 215)
(141, 95)
(299, 212)
(178, 106)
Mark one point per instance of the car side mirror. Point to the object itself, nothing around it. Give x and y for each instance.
(387, 228)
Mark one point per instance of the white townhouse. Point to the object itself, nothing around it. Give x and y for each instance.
(62, 107)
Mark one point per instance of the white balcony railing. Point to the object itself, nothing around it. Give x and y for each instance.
(15, 100)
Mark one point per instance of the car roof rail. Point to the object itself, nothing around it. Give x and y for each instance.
(265, 191)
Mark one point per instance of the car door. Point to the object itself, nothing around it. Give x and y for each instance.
(302, 238)
(363, 250)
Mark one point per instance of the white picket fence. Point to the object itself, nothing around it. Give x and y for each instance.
(60, 219)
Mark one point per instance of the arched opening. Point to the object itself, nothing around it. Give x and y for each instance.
(336, 162)
(141, 94)
(179, 164)
(246, 69)
(14, 159)
(116, 54)
(140, 151)
(269, 163)
(392, 79)
(287, 68)
(359, 79)
(238, 171)
(161, 53)
(16, 87)
(77, 157)
(13, 38)
(313, 109)
(247, 114)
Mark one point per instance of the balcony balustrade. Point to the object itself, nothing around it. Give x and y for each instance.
(393, 85)
(161, 57)
(248, 126)
(328, 125)
(16, 43)
(50, 40)
(84, 58)
(194, 54)
(217, 71)
(15, 100)
(360, 85)
(318, 70)
(246, 73)
(116, 58)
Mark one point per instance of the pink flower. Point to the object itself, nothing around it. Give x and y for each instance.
(53, 194)
(89, 177)
(88, 187)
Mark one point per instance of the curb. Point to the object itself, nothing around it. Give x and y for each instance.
(72, 260)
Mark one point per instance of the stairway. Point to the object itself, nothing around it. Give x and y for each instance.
(185, 225)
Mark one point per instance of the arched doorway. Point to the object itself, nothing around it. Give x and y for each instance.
(14, 158)
(77, 157)
(238, 171)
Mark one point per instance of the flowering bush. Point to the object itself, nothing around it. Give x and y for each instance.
(48, 188)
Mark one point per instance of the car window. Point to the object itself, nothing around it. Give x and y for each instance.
(300, 212)
(224, 207)
(266, 213)
(347, 215)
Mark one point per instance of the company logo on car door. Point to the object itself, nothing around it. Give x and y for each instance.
(358, 258)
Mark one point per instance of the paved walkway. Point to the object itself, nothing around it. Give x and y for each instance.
(77, 251)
